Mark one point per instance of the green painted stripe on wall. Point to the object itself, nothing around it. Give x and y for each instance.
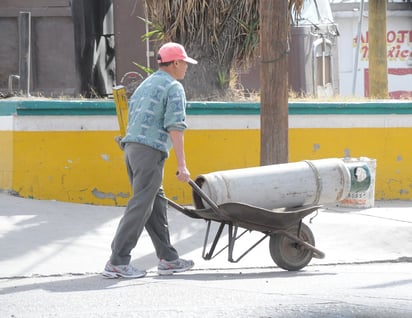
(8, 107)
(106, 107)
(223, 108)
(365, 108)
(63, 107)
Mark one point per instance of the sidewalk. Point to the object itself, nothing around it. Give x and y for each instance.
(47, 238)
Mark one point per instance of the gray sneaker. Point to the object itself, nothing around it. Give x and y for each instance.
(177, 266)
(126, 271)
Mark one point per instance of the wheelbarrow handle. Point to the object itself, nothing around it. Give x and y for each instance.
(316, 253)
(203, 195)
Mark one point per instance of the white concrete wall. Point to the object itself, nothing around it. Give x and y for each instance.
(399, 37)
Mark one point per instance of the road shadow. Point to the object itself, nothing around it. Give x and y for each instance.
(81, 283)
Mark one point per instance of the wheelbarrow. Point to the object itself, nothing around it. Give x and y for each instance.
(291, 242)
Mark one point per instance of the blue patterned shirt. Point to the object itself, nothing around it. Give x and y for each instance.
(157, 106)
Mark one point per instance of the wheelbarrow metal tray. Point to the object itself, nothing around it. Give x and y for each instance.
(251, 217)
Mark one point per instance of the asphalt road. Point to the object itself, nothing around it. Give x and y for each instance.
(51, 255)
(358, 290)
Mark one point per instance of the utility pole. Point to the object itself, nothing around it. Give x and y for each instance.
(274, 25)
(378, 56)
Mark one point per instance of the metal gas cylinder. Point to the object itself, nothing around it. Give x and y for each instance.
(282, 185)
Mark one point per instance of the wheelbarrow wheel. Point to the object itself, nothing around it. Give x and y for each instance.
(291, 255)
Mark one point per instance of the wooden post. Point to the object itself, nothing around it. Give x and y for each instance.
(378, 56)
(274, 125)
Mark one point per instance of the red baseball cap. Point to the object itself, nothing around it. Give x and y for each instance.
(172, 52)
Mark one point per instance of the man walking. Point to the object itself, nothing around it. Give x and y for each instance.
(156, 124)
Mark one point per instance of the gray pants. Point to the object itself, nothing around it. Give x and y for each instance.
(146, 209)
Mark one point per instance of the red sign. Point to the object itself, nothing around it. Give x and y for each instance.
(401, 76)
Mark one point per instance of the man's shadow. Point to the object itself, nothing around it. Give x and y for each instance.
(81, 283)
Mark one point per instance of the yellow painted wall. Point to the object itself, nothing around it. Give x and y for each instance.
(84, 167)
(391, 147)
(212, 150)
(88, 167)
(6, 159)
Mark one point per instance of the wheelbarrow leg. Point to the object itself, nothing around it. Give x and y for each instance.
(209, 255)
(233, 236)
(232, 239)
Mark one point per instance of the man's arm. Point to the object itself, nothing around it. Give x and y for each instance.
(177, 138)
